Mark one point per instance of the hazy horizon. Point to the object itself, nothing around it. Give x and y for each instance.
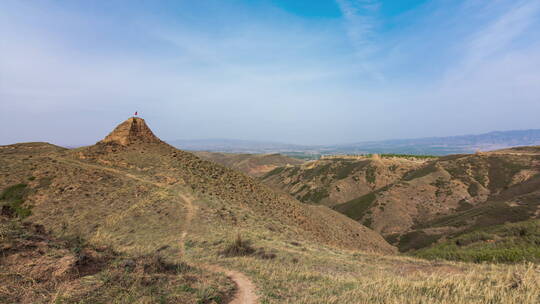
(299, 72)
(261, 141)
(344, 143)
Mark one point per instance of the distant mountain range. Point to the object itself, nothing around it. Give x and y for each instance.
(425, 146)
(446, 145)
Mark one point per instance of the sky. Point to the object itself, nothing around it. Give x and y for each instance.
(292, 71)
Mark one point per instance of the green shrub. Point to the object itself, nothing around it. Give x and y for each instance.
(473, 237)
(508, 243)
(14, 193)
(13, 199)
(367, 222)
(473, 189)
(440, 183)
(208, 295)
(392, 238)
(371, 174)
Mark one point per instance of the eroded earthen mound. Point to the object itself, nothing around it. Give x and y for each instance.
(133, 130)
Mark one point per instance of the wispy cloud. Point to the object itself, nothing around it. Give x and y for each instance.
(498, 36)
(361, 26)
(220, 80)
(448, 67)
(361, 21)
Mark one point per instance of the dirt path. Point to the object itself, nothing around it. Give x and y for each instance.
(245, 292)
(108, 169)
(189, 217)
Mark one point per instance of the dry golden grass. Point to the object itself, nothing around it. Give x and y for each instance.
(36, 268)
(304, 272)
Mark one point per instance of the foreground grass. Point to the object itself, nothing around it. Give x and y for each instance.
(36, 268)
(303, 273)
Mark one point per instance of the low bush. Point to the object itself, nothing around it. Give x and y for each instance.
(239, 247)
(474, 237)
(371, 174)
(12, 199)
(508, 243)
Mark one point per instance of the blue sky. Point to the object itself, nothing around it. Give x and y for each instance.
(310, 72)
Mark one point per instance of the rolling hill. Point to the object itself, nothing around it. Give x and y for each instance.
(170, 227)
(255, 165)
(452, 194)
(334, 180)
(415, 204)
(100, 191)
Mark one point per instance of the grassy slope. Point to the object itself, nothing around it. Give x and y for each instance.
(304, 272)
(302, 269)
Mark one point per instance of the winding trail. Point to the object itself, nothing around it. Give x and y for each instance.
(81, 164)
(191, 211)
(245, 289)
(245, 293)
